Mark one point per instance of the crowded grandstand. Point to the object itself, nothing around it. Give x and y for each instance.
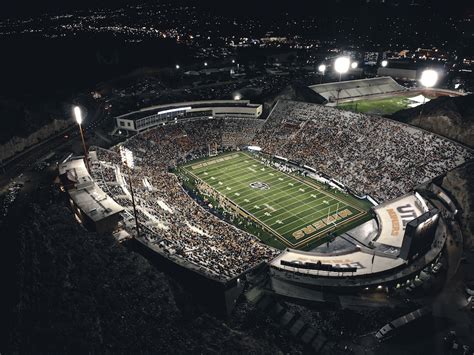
(354, 89)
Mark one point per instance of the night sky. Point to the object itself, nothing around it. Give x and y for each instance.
(21, 8)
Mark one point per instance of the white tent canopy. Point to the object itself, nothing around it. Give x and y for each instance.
(418, 100)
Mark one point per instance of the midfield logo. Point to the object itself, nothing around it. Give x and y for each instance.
(259, 185)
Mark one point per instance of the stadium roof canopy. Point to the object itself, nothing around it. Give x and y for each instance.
(135, 115)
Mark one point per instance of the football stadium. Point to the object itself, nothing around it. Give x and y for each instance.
(326, 202)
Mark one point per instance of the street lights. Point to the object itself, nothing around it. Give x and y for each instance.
(321, 69)
(428, 79)
(78, 116)
(341, 65)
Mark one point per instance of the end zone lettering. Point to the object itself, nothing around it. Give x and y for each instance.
(308, 230)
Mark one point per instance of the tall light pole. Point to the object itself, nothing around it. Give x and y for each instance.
(78, 116)
(128, 161)
(321, 69)
(341, 65)
(428, 79)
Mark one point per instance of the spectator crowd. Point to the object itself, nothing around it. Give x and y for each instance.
(368, 154)
(169, 218)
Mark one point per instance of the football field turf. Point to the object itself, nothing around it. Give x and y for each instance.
(296, 210)
(380, 106)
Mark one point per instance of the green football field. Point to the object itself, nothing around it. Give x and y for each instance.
(383, 106)
(297, 211)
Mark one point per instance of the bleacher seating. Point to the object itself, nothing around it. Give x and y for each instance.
(357, 88)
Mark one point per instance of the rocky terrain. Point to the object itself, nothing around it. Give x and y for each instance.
(452, 117)
(460, 184)
(294, 92)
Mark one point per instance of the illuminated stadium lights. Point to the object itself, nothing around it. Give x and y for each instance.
(429, 78)
(384, 63)
(321, 69)
(354, 65)
(78, 116)
(342, 65)
(177, 66)
(233, 61)
(205, 64)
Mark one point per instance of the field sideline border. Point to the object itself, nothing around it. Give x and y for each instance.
(284, 240)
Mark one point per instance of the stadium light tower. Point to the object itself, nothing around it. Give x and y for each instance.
(341, 65)
(126, 156)
(78, 116)
(384, 63)
(428, 79)
(322, 70)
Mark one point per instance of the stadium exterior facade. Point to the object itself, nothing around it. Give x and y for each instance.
(150, 117)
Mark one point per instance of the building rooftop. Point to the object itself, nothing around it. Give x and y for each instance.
(86, 194)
